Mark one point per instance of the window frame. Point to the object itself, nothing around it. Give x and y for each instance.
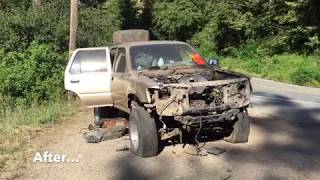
(117, 60)
(73, 63)
(79, 61)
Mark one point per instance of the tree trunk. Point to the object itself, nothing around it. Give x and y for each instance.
(36, 3)
(73, 25)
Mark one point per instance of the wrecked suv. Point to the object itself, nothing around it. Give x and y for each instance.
(167, 89)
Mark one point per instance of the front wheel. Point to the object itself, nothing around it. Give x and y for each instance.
(241, 129)
(144, 140)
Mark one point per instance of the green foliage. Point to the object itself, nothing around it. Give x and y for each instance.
(10, 4)
(177, 19)
(50, 24)
(204, 41)
(273, 26)
(33, 75)
(305, 74)
(291, 68)
(21, 26)
(96, 27)
(33, 41)
(19, 126)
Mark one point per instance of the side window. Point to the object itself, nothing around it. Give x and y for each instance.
(89, 61)
(121, 61)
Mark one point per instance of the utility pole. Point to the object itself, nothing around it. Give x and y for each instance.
(36, 3)
(73, 25)
(73, 35)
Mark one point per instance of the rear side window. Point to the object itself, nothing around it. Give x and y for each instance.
(89, 61)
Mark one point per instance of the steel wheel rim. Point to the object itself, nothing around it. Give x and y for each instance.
(134, 135)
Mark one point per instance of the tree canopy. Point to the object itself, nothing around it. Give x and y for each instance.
(272, 26)
(33, 36)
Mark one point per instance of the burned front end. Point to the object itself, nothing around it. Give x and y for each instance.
(196, 102)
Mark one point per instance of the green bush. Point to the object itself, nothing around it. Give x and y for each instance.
(291, 68)
(34, 75)
(21, 25)
(97, 26)
(305, 74)
(177, 20)
(204, 41)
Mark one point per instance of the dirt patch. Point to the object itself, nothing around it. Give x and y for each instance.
(34, 139)
(275, 151)
(104, 161)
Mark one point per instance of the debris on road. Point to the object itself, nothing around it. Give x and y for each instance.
(194, 151)
(110, 123)
(106, 129)
(190, 150)
(123, 148)
(215, 150)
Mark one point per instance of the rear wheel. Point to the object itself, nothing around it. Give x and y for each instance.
(144, 140)
(241, 129)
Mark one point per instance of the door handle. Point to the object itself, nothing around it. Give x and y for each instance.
(75, 81)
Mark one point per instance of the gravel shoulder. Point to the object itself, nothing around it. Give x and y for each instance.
(102, 161)
(275, 151)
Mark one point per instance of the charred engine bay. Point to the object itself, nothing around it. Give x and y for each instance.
(189, 91)
(187, 75)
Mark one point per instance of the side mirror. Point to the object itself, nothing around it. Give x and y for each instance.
(213, 62)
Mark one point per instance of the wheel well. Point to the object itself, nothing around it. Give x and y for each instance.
(133, 97)
(72, 96)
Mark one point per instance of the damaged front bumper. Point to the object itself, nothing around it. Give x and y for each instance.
(194, 121)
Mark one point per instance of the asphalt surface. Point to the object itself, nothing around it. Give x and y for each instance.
(283, 144)
(293, 103)
(285, 134)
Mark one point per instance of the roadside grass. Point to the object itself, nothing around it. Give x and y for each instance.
(289, 68)
(19, 127)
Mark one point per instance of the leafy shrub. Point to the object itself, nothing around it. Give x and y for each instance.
(304, 74)
(97, 26)
(255, 66)
(204, 41)
(248, 50)
(289, 68)
(21, 25)
(177, 20)
(33, 75)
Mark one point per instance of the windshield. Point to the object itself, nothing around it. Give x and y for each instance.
(159, 56)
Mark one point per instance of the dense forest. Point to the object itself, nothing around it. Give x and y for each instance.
(277, 39)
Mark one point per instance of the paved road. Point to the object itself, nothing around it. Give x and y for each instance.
(284, 144)
(285, 134)
(293, 103)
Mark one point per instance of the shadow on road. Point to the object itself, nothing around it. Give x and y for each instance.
(290, 138)
(284, 144)
(171, 166)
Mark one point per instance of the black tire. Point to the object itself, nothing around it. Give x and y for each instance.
(241, 129)
(144, 140)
